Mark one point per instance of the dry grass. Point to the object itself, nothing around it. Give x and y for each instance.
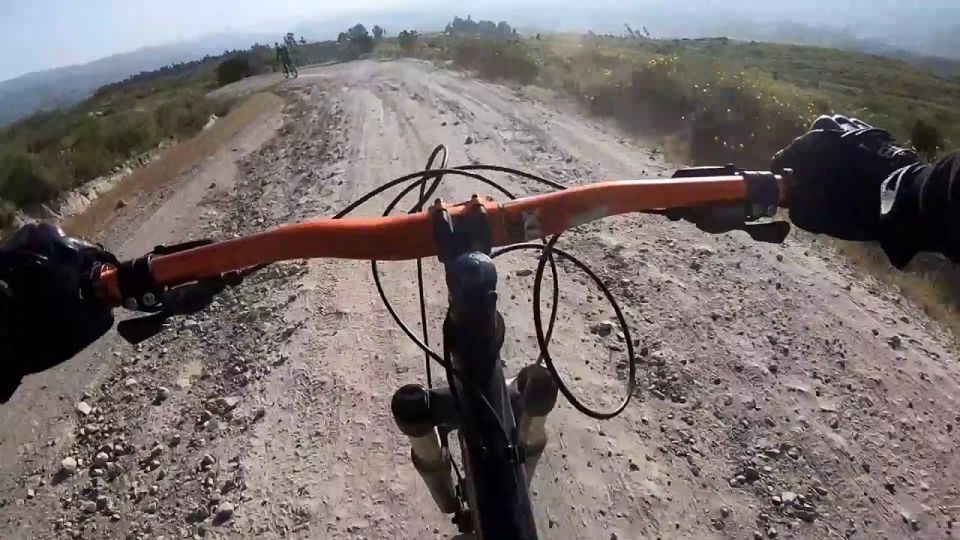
(930, 281)
(176, 161)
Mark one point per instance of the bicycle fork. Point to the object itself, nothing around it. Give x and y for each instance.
(423, 415)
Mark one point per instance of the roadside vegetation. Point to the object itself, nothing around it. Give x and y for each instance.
(709, 101)
(705, 101)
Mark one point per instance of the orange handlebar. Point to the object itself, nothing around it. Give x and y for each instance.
(411, 236)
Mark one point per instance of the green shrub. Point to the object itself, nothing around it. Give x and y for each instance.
(496, 59)
(408, 41)
(129, 134)
(220, 106)
(89, 162)
(233, 69)
(22, 180)
(926, 138)
(183, 116)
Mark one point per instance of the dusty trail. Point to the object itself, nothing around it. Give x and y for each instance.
(780, 394)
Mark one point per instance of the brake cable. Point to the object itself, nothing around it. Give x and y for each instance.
(548, 249)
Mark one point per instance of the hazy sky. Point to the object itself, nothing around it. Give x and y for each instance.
(42, 34)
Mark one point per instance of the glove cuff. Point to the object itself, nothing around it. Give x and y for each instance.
(902, 233)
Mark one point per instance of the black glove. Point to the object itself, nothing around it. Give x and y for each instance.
(48, 309)
(838, 168)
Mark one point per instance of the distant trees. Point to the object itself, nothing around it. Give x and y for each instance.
(926, 138)
(378, 32)
(290, 41)
(480, 28)
(408, 40)
(636, 33)
(356, 41)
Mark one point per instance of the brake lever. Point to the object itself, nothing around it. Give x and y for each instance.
(184, 299)
(754, 217)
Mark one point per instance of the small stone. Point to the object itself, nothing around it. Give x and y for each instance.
(724, 512)
(895, 342)
(222, 405)
(104, 503)
(602, 328)
(779, 257)
(101, 459)
(772, 452)
(174, 440)
(88, 507)
(162, 394)
(793, 452)
(468, 140)
(751, 474)
(865, 467)
(915, 525)
(788, 497)
(524, 272)
(97, 472)
(130, 382)
(150, 507)
(84, 408)
(889, 486)
(120, 204)
(68, 465)
(771, 532)
(207, 460)
(30, 493)
(224, 511)
(757, 535)
(696, 265)
(820, 490)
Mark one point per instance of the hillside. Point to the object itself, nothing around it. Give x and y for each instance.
(66, 86)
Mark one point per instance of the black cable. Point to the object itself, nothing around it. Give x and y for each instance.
(424, 194)
(548, 249)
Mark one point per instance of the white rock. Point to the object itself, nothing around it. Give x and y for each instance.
(68, 465)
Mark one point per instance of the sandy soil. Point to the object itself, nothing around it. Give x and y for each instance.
(780, 395)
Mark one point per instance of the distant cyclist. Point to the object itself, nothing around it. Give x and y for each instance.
(283, 56)
(851, 181)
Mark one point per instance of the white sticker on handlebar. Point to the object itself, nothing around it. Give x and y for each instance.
(531, 225)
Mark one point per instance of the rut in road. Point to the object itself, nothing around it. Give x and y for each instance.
(780, 393)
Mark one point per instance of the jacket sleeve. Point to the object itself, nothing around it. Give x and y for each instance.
(920, 207)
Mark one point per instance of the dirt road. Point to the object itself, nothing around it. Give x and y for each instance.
(781, 395)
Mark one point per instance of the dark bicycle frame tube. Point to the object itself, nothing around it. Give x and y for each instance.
(473, 332)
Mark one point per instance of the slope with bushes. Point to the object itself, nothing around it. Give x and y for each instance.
(716, 99)
(721, 101)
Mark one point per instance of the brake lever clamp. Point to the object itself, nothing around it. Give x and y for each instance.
(142, 293)
(462, 233)
(754, 216)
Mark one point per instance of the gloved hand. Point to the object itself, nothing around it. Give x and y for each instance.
(838, 168)
(48, 309)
